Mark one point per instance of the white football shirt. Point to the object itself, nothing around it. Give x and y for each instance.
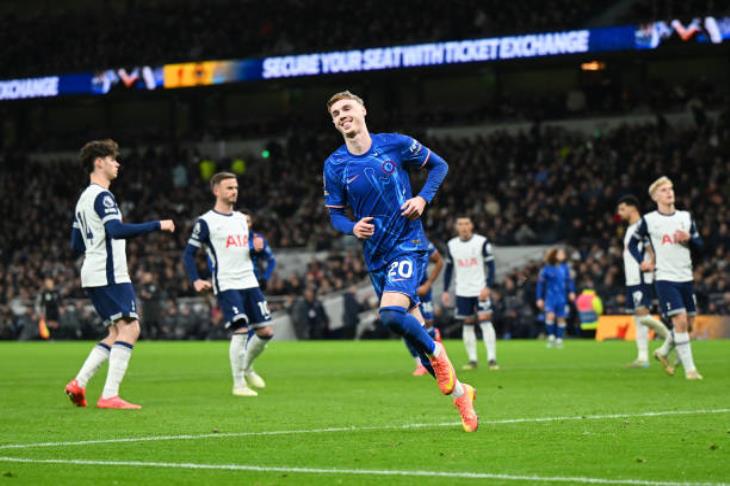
(105, 259)
(673, 259)
(225, 239)
(632, 270)
(468, 258)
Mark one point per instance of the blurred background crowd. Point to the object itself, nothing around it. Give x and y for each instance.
(538, 187)
(136, 32)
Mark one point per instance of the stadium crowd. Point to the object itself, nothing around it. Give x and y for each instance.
(538, 187)
(135, 33)
(648, 10)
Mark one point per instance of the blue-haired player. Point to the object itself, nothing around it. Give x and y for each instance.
(99, 234)
(555, 287)
(425, 293)
(370, 175)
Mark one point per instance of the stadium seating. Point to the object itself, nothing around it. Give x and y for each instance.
(165, 31)
(525, 188)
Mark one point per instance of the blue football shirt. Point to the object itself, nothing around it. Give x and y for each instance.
(377, 184)
(554, 283)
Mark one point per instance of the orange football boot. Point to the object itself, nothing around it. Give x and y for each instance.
(444, 371)
(75, 393)
(465, 405)
(118, 403)
(420, 371)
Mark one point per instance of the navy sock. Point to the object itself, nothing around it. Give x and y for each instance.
(426, 364)
(550, 328)
(400, 322)
(561, 332)
(411, 349)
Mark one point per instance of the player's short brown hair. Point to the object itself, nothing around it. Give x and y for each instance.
(97, 149)
(220, 177)
(343, 95)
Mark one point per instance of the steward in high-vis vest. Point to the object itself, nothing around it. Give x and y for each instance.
(589, 307)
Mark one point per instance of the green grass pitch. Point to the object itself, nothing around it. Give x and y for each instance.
(350, 413)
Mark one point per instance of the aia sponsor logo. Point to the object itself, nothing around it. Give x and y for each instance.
(237, 240)
(668, 239)
(467, 262)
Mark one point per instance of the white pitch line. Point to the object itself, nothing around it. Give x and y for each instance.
(358, 472)
(155, 438)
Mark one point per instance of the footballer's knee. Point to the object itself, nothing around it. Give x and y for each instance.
(128, 331)
(680, 322)
(392, 318)
(111, 335)
(266, 332)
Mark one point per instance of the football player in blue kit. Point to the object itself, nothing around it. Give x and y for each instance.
(555, 287)
(369, 174)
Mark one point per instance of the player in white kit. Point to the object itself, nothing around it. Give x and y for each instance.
(671, 232)
(468, 254)
(639, 285)
(224, 235)
(99, 234)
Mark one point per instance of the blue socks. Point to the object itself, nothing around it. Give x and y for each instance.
(400, 322)
(561, 332)
(550, 328)
(414, 352)
(411, 349)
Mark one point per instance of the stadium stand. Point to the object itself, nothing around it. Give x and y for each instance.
(167, 31)
(537, 187)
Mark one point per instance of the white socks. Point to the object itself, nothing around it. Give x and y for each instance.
(490, 340)
(96, 358)
(684, 351)
(666, 348)
(469, 336)
(118, 362)
(236, 353)
(657, 326)
(254, 348)
(642, 339)
(458, 390)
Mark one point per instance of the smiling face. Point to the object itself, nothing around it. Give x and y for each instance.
(348, 116)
